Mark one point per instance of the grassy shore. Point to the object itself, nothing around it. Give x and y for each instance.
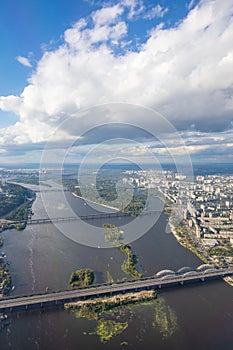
(93, 308)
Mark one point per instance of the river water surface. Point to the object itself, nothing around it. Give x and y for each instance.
(191, 317)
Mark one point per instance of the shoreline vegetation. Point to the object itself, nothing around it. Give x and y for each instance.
(133, 208)
(92, 309)
(110, 312)
(179, 231)
(16, 204)
(186, 242)
(81, 278)
(188, 245)
(128, 266)
(113, 234)
(137, 201)
(5, 277)
(91, 201)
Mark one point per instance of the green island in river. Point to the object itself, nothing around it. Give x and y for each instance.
(93, 308)
(97, 309)
(113, 234)
(81, 278)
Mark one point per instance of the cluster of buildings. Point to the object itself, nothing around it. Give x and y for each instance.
(210, 207)
(207, 201)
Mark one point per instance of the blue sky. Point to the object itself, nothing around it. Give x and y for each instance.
(27, 27)
(60, 57)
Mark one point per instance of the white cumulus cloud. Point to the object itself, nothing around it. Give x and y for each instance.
(184, 72)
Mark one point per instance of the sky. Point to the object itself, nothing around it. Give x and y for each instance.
(60, 59)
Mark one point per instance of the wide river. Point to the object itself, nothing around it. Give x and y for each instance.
(193, 317)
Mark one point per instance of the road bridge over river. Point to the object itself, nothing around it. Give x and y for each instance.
(19, 303)
(48, 220)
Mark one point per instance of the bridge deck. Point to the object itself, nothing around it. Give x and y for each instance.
(52, 299)
(81, 217)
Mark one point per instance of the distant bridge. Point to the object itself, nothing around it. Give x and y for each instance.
(168, 279)
(75, 218)
(51, 190)
(117, 214)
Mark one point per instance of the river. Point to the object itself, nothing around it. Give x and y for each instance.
(191, 317)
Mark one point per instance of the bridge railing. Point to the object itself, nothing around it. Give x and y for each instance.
(81, 217)
(200, 274)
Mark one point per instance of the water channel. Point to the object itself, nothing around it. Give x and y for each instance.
(192, 317)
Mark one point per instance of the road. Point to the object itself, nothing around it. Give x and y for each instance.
(61, 297)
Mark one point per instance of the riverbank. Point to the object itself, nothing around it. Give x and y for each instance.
(178, 231)
(5, 280)
(88, 200)
(41, 252)
(187, 243)
(229, 280)
(16, 207)
(5, 277)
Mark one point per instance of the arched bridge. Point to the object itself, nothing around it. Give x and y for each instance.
(186, 270)
(53, 299)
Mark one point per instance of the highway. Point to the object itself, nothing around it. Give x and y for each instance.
(18, 303)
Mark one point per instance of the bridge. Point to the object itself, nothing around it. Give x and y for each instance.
(117, 214)
(51, 190)
(165, 278)
(75, 218)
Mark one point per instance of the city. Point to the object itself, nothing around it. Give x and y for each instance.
(206, 203)
(116, 174)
